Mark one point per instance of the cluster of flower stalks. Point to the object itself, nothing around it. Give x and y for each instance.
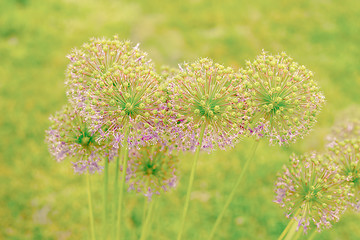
(123, 112)
(315, 189)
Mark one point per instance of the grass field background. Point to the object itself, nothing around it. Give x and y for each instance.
(42, 199)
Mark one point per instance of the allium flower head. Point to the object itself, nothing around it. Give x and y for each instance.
(346, 154)
(151, 170)
(207, 93)
(286, 98)
(115, 85)
(310, 190)
(348, 127)
(70, 137)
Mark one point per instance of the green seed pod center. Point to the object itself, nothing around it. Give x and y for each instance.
(130, 107)
(310, 196)
(274, 103)
(150, 169)
(85, 139)
(208, 109)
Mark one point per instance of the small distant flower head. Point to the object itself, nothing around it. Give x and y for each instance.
(346, 154)
(69, 136)
(151, 170)
(310, 190)
(207, 93)
(348, 127)
(115, 85)
(286, 98)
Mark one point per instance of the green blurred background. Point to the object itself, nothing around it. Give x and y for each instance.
(42, 199)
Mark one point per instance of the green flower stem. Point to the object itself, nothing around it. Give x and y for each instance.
(291, 232)
(289, 226)
(125, 155)
(116, 191)
(146, 226)
(297, 235)
(292, 221)
(146, 205)
(92, 229)
(192, 175)
(106, 184)
(231, 196)
(145, 209)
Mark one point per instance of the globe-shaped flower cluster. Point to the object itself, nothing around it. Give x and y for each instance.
(118, 101)
(69, 136)
(116, 87)
(208, 95)
(346, 154)
(311, 190)
(285, 98)
(151, 169)
(345, 128)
